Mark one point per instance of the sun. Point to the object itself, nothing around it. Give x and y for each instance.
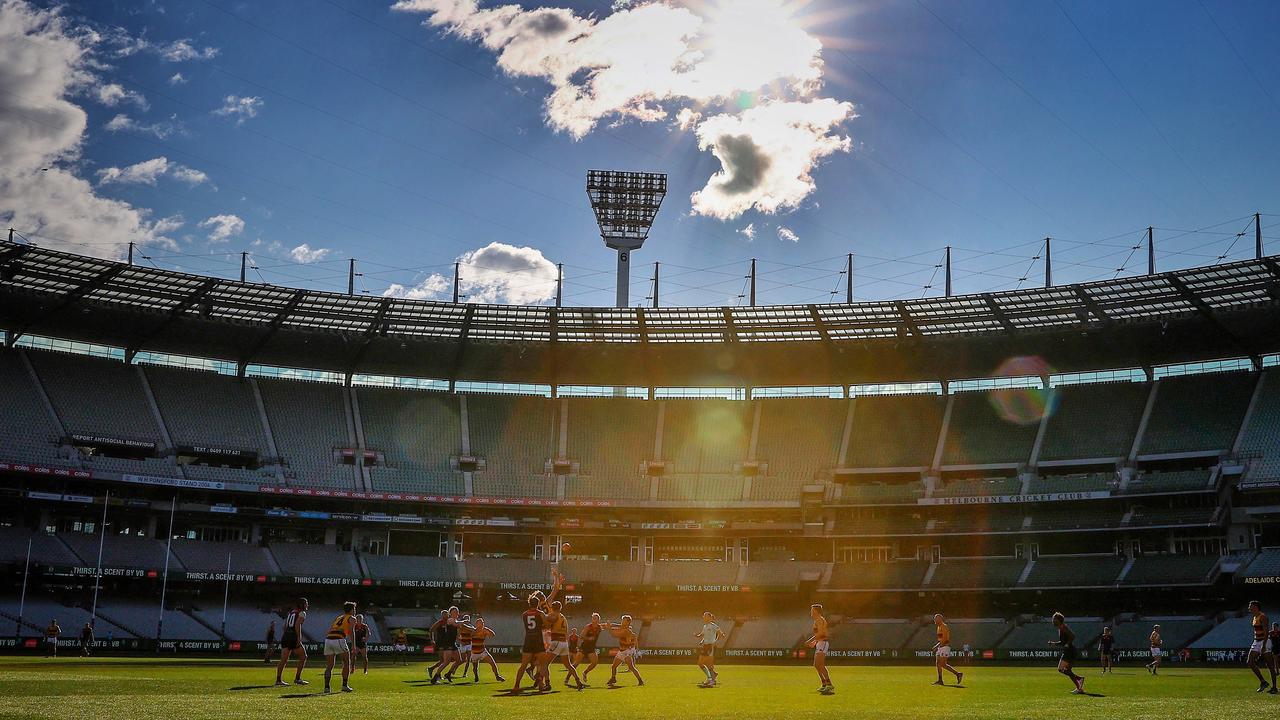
(747, 45)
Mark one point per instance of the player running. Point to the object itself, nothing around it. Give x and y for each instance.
(337, 644)
(402, 645)
(479, 633)
(708, 637)
(1067, 657)
(1260, 650)
(86, 639)
(291, 643)
(1106, 645)
(626, 650)
(942, 650)
(51, 634)
(820, 644)
(1157, 650)
(360, 648)
(558, 647)
(587, 645)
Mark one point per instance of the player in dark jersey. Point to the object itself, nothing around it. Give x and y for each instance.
(437, 641)
(1260, 650)
(51, 634)
(1067, 657)
(291, 642)
(574, 640)
(448, 645)
(587, 645)
(271, 642)
(360, 643)
(1106, 644)
(1273, 639)
(534, 648)
(86, 639)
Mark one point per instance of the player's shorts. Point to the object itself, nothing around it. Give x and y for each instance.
(477, 656)
(533, 645)
(587, 648)
(707, 650)
(401, 647)
(628, 654)
(1068, 654)
(1156, 652)
(289, 641)
(462, 649)
(336, 646)
(1259, 646)
(943, 651)
(558, 648)
(821, 647)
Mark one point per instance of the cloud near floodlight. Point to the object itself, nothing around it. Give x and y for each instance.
(495, 273)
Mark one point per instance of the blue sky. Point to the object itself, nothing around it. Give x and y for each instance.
(356, 131)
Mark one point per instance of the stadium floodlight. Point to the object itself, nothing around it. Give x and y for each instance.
(625, 204)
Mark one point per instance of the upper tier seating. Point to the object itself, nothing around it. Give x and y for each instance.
(705, 436)
(306, 560)
(204, 408)
(977, 573)
(516, 436)
(610, 438)
(874, 576)
(211, 557)
(977, 634)
(309, 421)
(1262, 436)
(95, 396)
(798, 438)
(979, 434)
(1198, 413)
(45, 549)
(1094, 421)
(417, 433)
(1082, 571)
(703, 488)
(895, 431)
(27, 432)
(1171, 570)
(1037, 634)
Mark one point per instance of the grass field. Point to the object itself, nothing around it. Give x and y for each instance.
(108, 688)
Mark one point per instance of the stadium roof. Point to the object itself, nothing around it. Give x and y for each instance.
(1195, 314)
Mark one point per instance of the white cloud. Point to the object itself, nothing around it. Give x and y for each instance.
(648, 59)
(169, 224)
(786, 233)
(240, 108)
(304, 253)
(124, 44)
(112, 94)
(177, 79)
(44, 60)
(161, 128)
(148, 171)
(749, 231)
(223, 227)
(495, 273)
(183, 50)
(767, 155)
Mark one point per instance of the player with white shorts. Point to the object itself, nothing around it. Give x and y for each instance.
(820, 645)
(942, 650)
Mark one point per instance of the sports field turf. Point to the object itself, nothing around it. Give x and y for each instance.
(108, 688)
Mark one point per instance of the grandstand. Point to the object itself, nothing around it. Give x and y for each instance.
(977, 434)
(516, 437)
(1197, 413)
(310, 424)
(418, 433)
(1094, 421)
(895, 431)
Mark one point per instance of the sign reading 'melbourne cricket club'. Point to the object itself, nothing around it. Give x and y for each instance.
(1010, 499)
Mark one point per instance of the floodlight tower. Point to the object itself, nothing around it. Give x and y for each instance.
(625, 204)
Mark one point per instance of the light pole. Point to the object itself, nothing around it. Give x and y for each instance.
(625, 204)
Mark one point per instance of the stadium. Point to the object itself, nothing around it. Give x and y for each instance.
(319, 395)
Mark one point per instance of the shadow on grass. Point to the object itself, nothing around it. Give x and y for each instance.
(296, 696)
(524, 694)
(251, 687)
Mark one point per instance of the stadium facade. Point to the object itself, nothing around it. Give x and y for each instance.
(1109, 449)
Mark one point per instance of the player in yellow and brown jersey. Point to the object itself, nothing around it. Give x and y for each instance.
(819, 643)
(1260, 649)
(337, 644)
(627, 640)
(479, 634)
(942, 650)
(558, 643)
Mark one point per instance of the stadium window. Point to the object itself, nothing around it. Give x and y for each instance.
(996, 383)
(819, 391)
(222, 367)
(40, 342)
(1098, 376)
(498, 388)
(600, 391)
(1197, 368)
(285, 373)
(1270, 360)
(721, 393)
(918, 388)
(392, 381)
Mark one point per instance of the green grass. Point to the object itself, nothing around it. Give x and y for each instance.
(110, 688)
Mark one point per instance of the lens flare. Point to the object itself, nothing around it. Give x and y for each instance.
(1024, 405)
